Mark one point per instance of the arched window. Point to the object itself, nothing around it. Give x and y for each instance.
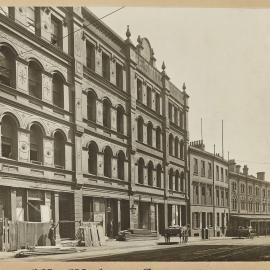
(158, 138)
(176, 147)
(171, 179)
(91, 106)
(159, 171)
(59, 149)
(170, 144)
(121, 165)
(108, 161)
(140, 129)
(58, 90)
(141, 171)
(35, 79)
(7, 66)
(9, 137)
(176, 181)
(182, 149)
(92, 158)
(182, 182)
(107, 113)
(149, 133)
(36, 144)
(120, 119)
(150, 173)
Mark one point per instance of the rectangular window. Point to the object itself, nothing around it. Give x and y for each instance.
(222, 174)
(34, 153)
(105, 66)
(217, 172)
(31, 19)
(218, 219)
(90, 55)
(119, 76)
(222, 198)
(56, 32)
(195, 220)
(181, 120)
(203, 168)
(210, 195)
(170, 111)
(249, 190)
(209, 170)
(157, 103)
(139, 90)
(217, 197)
(210, 220)
(149, 96)
(203, 196)
(195, 169)
(226, 175)
(175, 115)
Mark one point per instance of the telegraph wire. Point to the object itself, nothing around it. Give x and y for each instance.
(98, 19)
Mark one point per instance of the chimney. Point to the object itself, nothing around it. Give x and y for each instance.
(245, 170)
(237, 168)
(261, 175)
(232, 165)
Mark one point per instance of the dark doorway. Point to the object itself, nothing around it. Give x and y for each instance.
(203, 220)
(183, 215)
(66, 215)
(125, 217)
(169, 214)
(161, 218)
(144, 215)
(111, 218)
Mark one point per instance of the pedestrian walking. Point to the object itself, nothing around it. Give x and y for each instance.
(180, 234)
(52, 234)
(187, 233)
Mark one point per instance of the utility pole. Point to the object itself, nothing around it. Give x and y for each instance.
(214, 202)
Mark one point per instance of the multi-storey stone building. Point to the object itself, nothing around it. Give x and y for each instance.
(209, 191)
(131, 132)
(250, 199)
(90, 128)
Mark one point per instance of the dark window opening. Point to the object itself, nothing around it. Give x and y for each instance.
(58, 91)
(105, 66)
(36, 144)
(90, 55)
(7, 67)
(106, 114)
(139, 91)
(92, 158)
(141, 171)
(119, 76)
(91, 106)
(108, 162)
(35, 80)
(56, 32)
(59, 150)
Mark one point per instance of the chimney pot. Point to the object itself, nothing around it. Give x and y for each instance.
(261, 175)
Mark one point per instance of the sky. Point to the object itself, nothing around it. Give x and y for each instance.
(223, 56)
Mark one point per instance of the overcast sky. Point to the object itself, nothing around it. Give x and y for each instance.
(223, 56)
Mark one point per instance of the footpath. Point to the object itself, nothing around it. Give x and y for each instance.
(111, 247)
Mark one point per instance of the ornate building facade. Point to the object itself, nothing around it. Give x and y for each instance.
(91, 130)
(209, 191)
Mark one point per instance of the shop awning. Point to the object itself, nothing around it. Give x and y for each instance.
(253, 217)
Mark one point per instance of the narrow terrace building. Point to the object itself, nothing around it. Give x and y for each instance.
(209, 191)
(250, 199)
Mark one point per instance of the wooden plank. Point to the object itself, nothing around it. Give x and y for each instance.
(101, 234)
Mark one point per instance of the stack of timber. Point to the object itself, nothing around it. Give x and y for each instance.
(91, 234)
(137, 235)
(42, 251)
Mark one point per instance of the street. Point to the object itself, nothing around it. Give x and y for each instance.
(221, 250)
(224, 249)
